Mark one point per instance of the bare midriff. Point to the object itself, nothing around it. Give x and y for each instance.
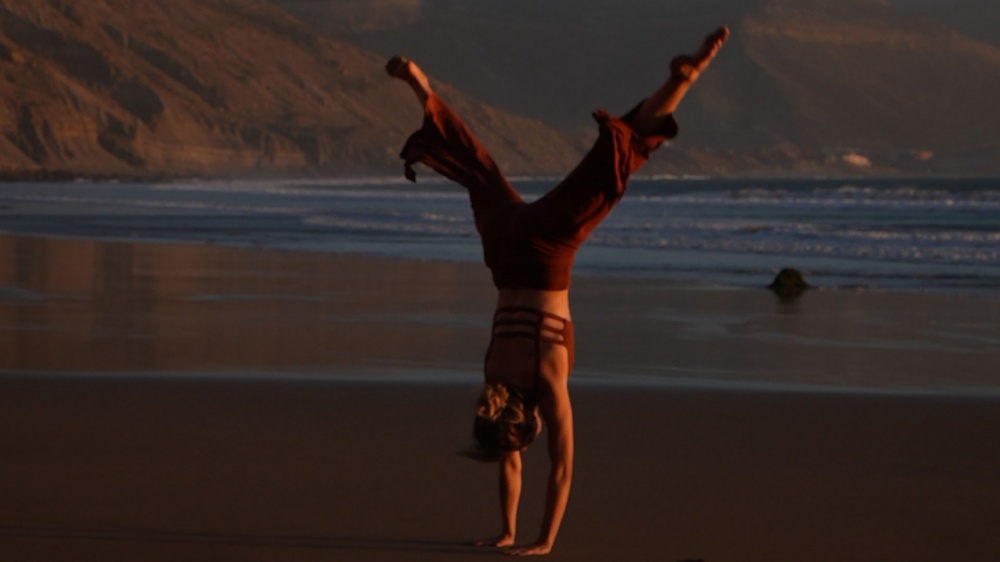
(552, 302)
(532, 339)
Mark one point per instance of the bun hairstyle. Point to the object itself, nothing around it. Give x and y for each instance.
(505, 422)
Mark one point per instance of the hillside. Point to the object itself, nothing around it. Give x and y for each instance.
(141, 88)
(977, 18)
(805, 87)
(230, 87)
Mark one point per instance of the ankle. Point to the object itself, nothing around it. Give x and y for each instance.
(684, 69)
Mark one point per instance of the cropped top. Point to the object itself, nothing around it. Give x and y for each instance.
(519, 340)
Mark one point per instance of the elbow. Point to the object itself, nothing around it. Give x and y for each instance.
(562, 474)
(511, 465)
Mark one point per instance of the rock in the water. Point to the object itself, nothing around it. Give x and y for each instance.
(789, 284)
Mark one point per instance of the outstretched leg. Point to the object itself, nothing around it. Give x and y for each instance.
(446, 145)
(684, 71)
(565, 216)
(408, 71)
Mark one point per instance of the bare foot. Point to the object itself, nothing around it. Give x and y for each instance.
(530, 550)
(499, 541)
(408, 71)
(689, 67)
(656, 110)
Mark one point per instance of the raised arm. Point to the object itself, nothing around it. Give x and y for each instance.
(557, 413)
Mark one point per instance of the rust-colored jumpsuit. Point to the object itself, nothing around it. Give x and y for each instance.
(531, 245)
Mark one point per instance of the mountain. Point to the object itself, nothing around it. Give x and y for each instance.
(977, 18)
(144, 88)
(804, 87)
(899, 90)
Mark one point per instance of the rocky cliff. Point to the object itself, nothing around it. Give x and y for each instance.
(229, 87)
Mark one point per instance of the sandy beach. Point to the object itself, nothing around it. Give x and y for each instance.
(170, 401)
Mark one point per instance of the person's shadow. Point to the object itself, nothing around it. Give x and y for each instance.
(153, 537)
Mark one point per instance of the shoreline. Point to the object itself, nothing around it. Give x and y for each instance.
(91, 306)
(715, 232)
(476, 268)
(471, 380)
(394, 174)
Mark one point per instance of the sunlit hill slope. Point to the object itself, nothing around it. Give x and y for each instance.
(146, 88)
(229, 87)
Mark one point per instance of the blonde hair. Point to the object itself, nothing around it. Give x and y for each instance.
(505, 421)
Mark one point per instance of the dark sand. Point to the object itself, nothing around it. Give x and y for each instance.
(172, 402)
(135, 468)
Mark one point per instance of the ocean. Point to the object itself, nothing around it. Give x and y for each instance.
(934, 235)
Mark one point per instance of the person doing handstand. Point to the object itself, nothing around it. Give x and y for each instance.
(529, 249)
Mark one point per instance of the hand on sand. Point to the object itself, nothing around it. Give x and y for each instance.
(500, 541)
(530, 550)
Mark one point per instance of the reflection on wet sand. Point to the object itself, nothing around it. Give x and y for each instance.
(80, 305)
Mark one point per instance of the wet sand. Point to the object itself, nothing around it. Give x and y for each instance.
(164, 402)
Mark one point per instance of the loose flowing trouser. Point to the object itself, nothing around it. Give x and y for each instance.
(532, 245)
